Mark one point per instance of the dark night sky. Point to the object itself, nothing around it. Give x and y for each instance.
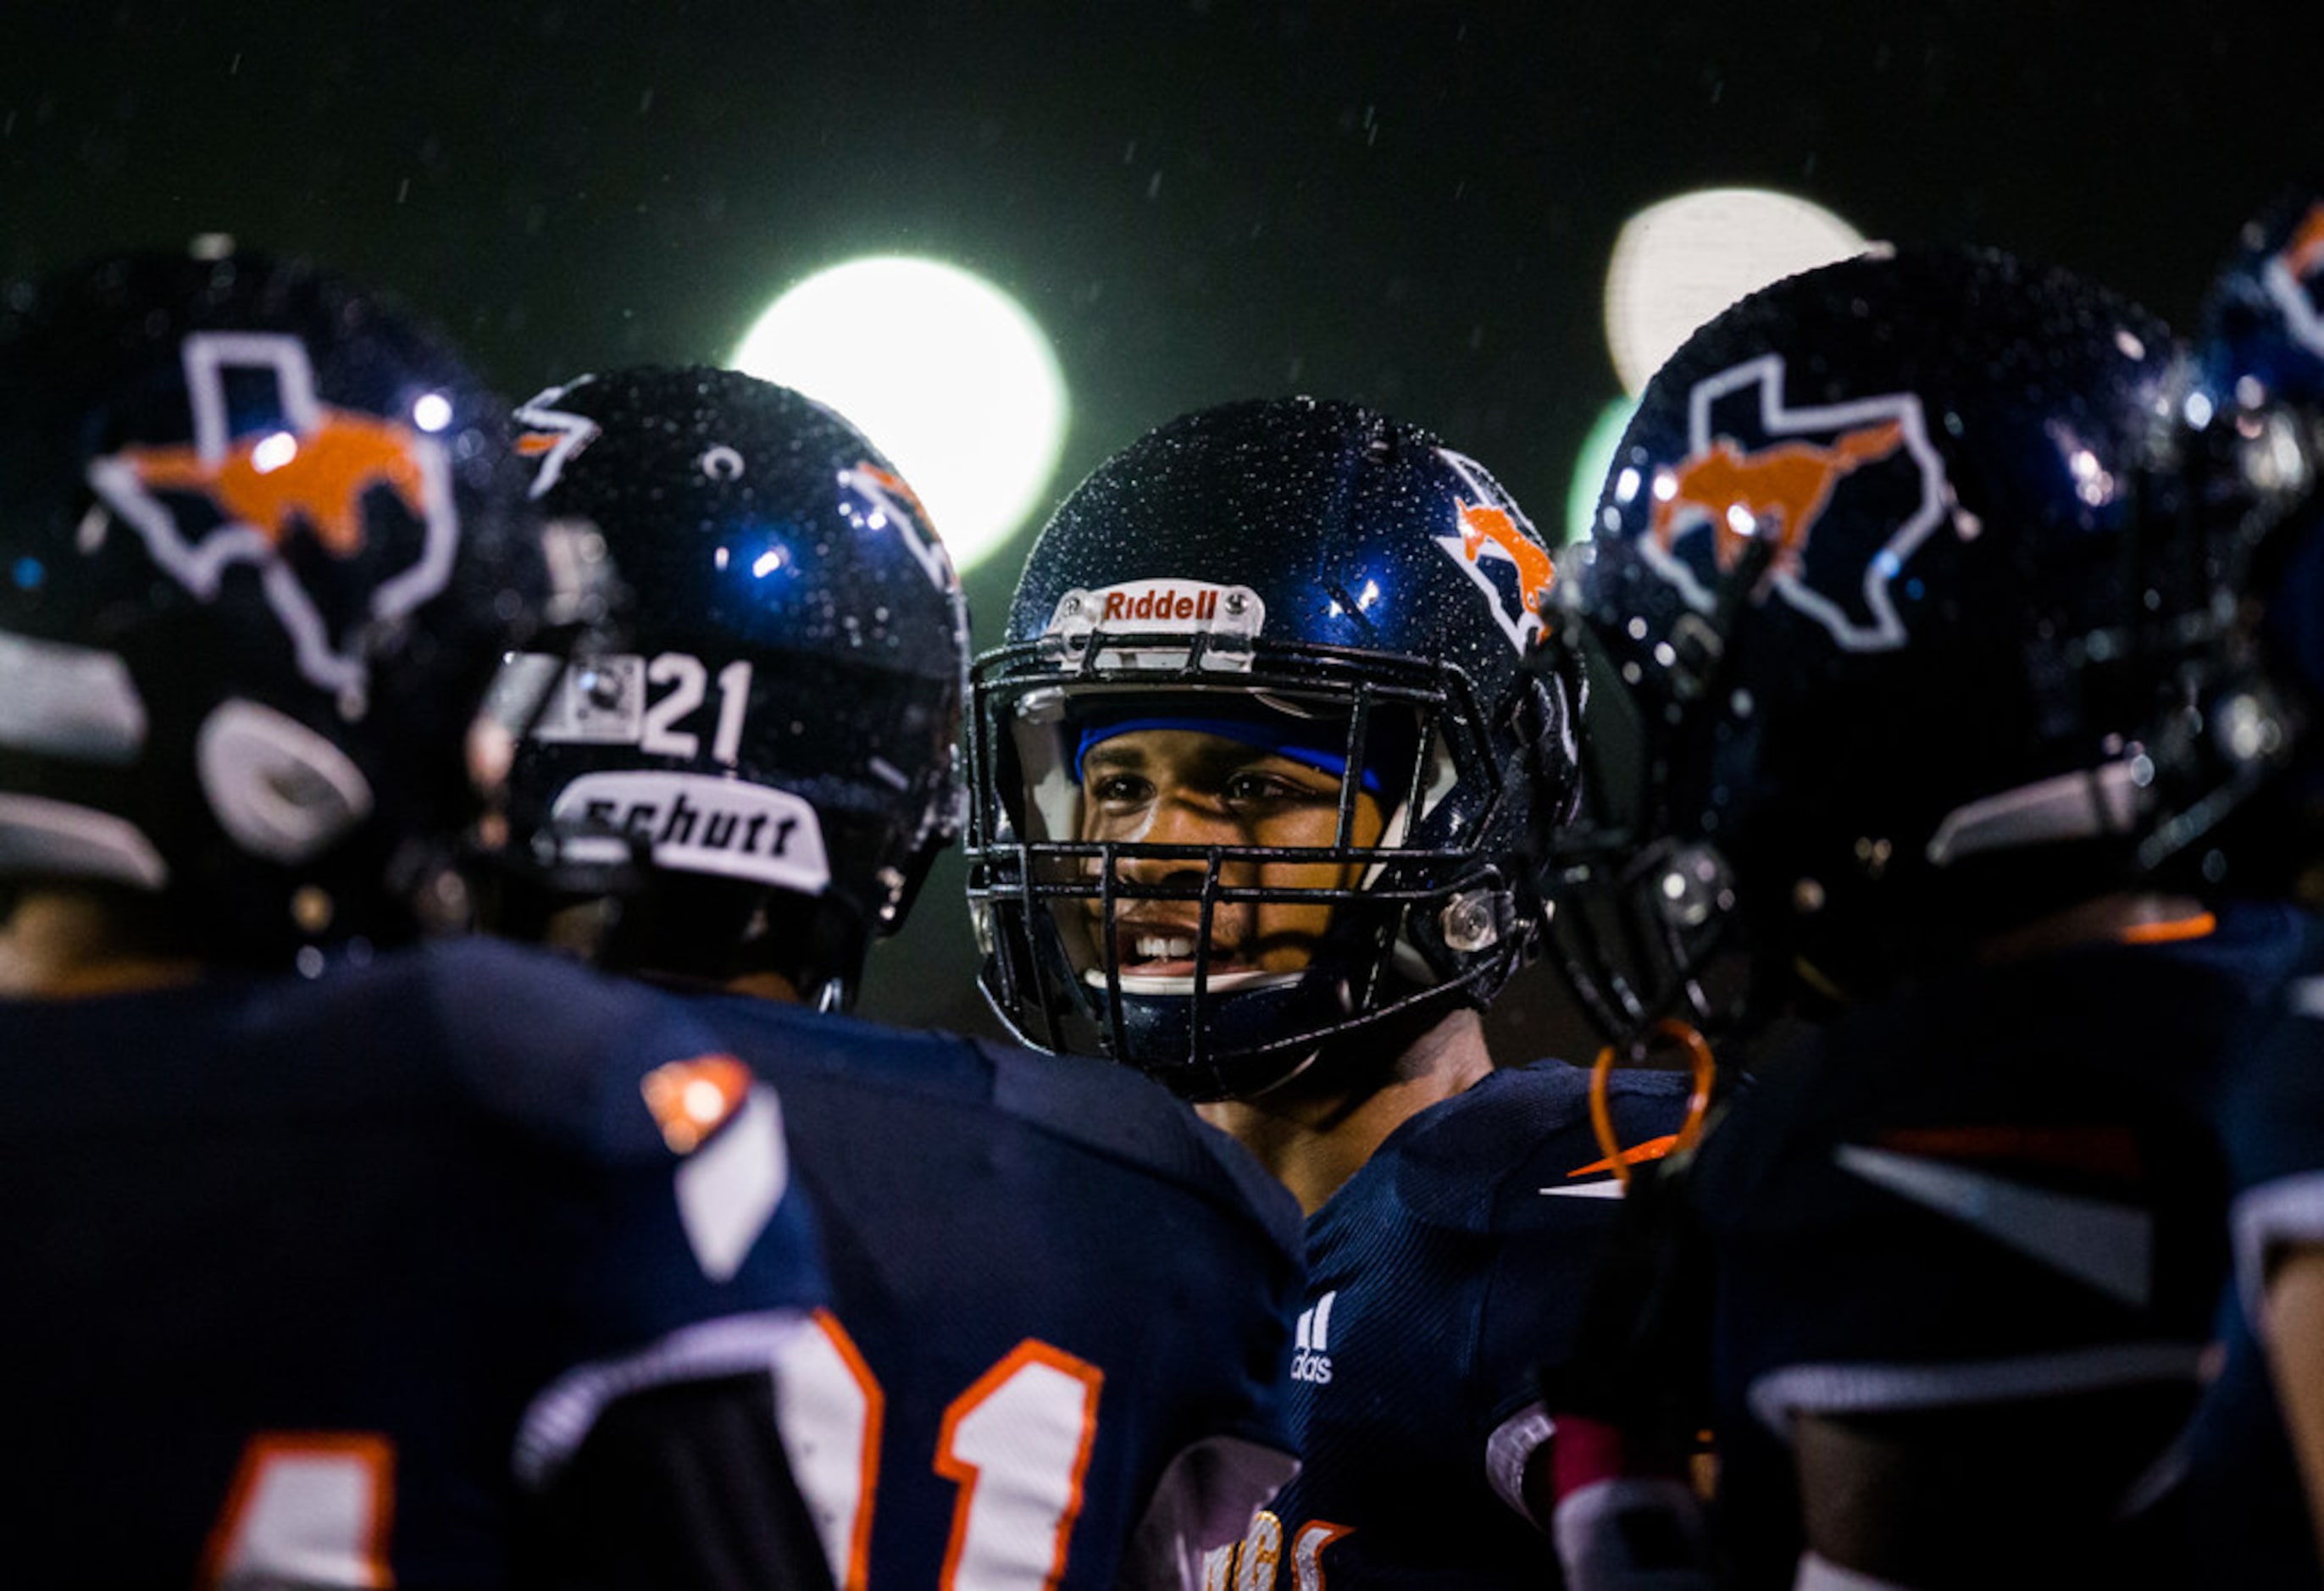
(1406, 204)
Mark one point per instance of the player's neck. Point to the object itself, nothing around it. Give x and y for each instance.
(766, 986)
(63, 945)
(580, 930)
(1314, 1134)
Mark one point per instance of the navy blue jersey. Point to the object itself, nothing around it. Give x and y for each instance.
(2004, 1185)
(2246, 1505)
(1061, 1304)
(329, 1281)
(1441, 1279)
(2275, 1132)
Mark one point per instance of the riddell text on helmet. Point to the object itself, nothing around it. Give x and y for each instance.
(1160, 603)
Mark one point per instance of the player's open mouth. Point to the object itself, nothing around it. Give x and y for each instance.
(1159, 956)
(1168, 950)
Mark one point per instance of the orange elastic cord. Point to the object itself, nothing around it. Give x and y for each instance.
(1602, 1114)
(1705, 1069)
(1698, 1103)
(2201, 925)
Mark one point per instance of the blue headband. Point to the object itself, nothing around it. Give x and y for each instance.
(1275, 735)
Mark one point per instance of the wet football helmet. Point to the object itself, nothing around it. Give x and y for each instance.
(264, 544)
(1344, 591)
(2252, 435)
(772, 745)
(1883, 633)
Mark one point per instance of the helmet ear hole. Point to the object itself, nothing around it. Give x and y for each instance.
(281, 790)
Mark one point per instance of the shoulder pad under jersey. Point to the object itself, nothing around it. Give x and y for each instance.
(1514, 1151)
(1126, 1115)
(554, 1048)
(1097, 1106)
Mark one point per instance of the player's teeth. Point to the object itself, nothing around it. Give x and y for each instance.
(1154, 948)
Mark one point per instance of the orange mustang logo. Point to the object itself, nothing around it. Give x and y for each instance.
(1481, 523)
(316, 478)
(1789, 483)
(894, 485)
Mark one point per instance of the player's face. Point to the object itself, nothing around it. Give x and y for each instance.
(1169, 786)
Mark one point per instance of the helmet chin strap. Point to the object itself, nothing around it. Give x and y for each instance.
(1299, 1069)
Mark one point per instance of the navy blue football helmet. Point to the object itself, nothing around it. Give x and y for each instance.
(2252, 425)
(263, 543)
(1337, 586)
(1886, 638)
(759, 776)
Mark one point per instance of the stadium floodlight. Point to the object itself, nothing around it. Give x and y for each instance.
(952, 379)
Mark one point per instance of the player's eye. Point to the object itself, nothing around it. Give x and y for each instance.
(1255, 787)
(1121, 790)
